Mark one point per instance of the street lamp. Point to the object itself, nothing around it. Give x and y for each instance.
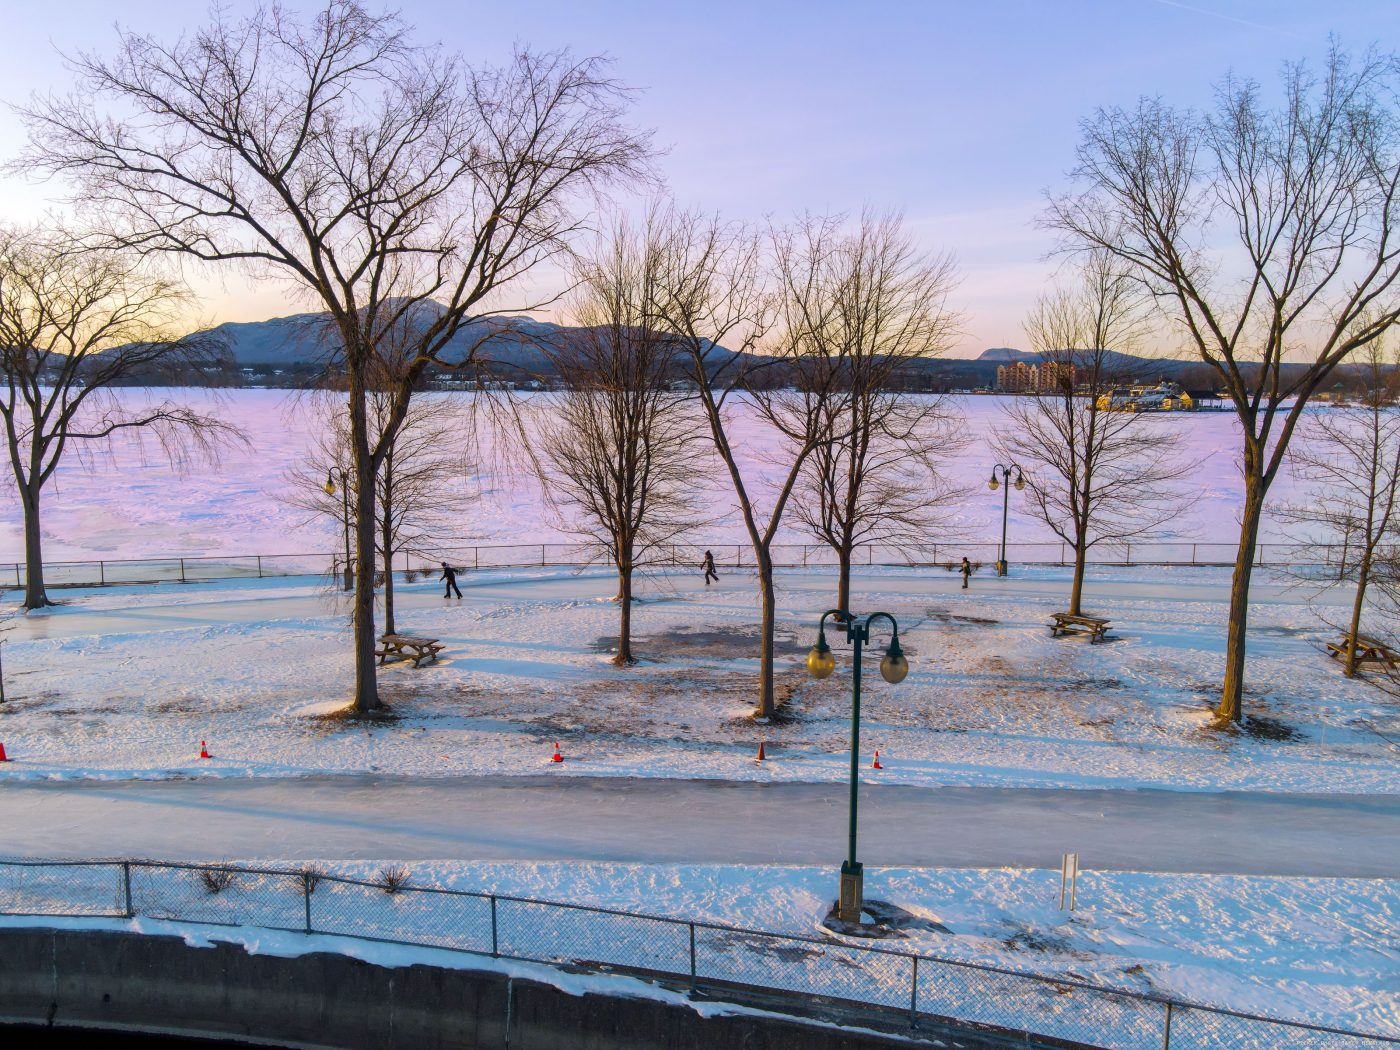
(344, 517)
(996, 483)
(893, 667)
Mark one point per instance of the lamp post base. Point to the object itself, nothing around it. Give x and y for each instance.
(1001, 567)
(851, 901)
(349, 579)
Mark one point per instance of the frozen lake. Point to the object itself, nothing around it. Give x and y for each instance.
(129, 503)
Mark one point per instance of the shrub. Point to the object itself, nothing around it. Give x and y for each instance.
(393, 879)
(216, 880)
(312, 878)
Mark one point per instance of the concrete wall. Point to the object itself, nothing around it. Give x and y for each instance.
(118, 981)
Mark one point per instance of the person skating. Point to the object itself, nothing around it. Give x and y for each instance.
(966, 571)
(450, 575)
(709, 566)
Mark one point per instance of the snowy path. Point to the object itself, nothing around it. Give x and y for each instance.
(172, 607)
(679, 821)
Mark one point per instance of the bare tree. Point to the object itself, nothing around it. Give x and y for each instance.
(876, 305)
(392, 186)
(425, 466)
(1350, 456)
(74, 324)
(619, 444)
(1096, 472)
(1268, 235)
(714, 303)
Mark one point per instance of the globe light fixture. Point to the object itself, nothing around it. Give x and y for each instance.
(894, 667)
(820, 661)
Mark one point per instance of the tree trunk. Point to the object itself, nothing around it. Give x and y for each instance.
(35, 597)
(843, 582)
(389, 627)
(1362, 576)
(768, 599)
(1076, 590)
(386, 540)
(1232, 691)
(366, 674)
(624, 627)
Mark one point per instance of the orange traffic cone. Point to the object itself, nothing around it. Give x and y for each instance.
(760, 756)
(203, 750)
(3, 758)
(557, 757)
(876, 763)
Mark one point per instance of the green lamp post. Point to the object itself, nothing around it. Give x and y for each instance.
(893, 668)
(996, 483)
(349, 581)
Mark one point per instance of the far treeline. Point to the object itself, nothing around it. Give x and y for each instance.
(501, 361)
(412, 199)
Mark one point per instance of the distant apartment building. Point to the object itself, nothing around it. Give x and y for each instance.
(1018, 377)
(1055, 375)
(1022, 378)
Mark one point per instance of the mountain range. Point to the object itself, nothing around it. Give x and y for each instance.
(305, 340)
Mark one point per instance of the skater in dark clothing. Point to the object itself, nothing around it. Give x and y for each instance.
(450, 575)
(966, 571)
(709, 566)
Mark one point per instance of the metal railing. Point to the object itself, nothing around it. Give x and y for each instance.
(189, 569)
(920, 988)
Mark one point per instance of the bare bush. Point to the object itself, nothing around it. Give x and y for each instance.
(393, 879)
(216, 880)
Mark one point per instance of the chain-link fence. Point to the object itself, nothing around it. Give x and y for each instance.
(106, 572)
(712, 956)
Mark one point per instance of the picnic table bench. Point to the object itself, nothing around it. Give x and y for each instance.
(1093, 626)
(1367, 649)
(408, 647)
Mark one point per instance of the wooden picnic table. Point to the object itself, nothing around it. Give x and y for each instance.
(1368, 649)
(1063, 623)
(408, 647)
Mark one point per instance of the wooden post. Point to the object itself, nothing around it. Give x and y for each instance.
(102, 574)
(260, 566)
(182, 570)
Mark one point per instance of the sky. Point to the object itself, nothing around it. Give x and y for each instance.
(961, 115)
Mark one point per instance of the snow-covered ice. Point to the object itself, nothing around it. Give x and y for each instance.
(129, 503)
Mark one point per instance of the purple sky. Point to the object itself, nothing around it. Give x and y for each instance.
(961, 114)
